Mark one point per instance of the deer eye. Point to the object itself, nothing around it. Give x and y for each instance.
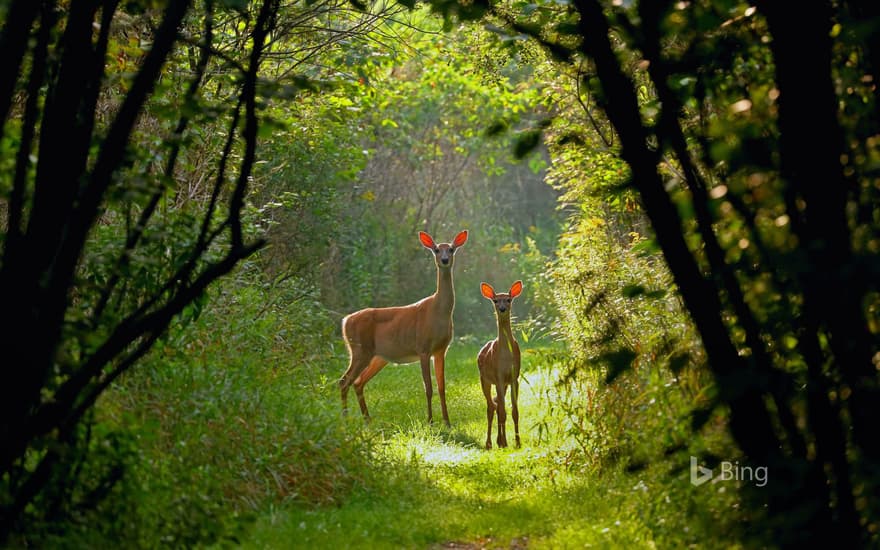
(494, 300)
(436, 250)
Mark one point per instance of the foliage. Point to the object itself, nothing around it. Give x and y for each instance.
(454, 177)
(634, 371)
(236, 422)
(725, 132)
(711, 298)
(222, 421)
(124, 200)
(409, 142)
(72, 292)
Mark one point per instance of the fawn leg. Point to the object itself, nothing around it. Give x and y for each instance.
(502, 414)
(514, 399)
(490, 410)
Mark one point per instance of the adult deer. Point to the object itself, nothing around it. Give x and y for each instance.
(499, 365)
(417, 332)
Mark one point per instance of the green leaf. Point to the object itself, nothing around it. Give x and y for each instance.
(537, 164)
(647, 247)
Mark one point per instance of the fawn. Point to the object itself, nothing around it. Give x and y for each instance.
(499, 365)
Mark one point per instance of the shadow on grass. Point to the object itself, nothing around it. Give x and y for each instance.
(459, 437)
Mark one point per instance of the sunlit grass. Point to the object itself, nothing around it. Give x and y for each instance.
(436, 486)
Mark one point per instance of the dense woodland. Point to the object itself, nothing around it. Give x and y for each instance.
(193, 194)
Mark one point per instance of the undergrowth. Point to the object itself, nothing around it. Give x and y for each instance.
(233, 434)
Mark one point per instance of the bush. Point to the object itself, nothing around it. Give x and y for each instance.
(219, 430)
(635, 371)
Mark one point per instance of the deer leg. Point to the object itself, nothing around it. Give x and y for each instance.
(439, 365)
(376, 364)
(356, 363)
(373, 366)
(502, 414)
(425, 360)
(514, 400)
(490, 410)
(343, 391)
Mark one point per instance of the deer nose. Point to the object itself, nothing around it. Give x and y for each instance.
(444, 260)
(502, 309)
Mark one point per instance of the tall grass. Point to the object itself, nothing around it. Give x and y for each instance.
(233, 434)
(439, 487)
(236, 414)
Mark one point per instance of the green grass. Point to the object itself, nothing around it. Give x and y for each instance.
(236, 436)
(433, 487)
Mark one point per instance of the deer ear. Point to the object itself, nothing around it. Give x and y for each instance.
(516, 289)
(427, 241)
(460, 239)
(487, 291)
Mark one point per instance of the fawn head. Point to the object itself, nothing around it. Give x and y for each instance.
(502, 301)
(444, 253)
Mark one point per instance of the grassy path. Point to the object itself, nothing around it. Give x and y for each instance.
(438, 488)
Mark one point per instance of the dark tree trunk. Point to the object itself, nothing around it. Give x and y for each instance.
(743, 386)
(41, 412)
(811, 149)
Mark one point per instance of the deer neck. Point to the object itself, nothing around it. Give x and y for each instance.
(445, 295)
(505, 336)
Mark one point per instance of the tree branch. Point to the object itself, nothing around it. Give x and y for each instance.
(264, 25)
(13, 42)
(750, 421)
(135, 235)
(15, 207)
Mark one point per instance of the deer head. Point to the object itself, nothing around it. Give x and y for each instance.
(503, 301)
(444, 253)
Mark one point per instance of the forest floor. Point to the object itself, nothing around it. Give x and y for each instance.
(439, 488)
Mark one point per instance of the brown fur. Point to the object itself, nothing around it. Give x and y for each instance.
(406, 334)
(499, 364)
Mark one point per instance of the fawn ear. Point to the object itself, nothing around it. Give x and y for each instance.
(515, 289)
(487, 290)
(460, 239)
(427, 241)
